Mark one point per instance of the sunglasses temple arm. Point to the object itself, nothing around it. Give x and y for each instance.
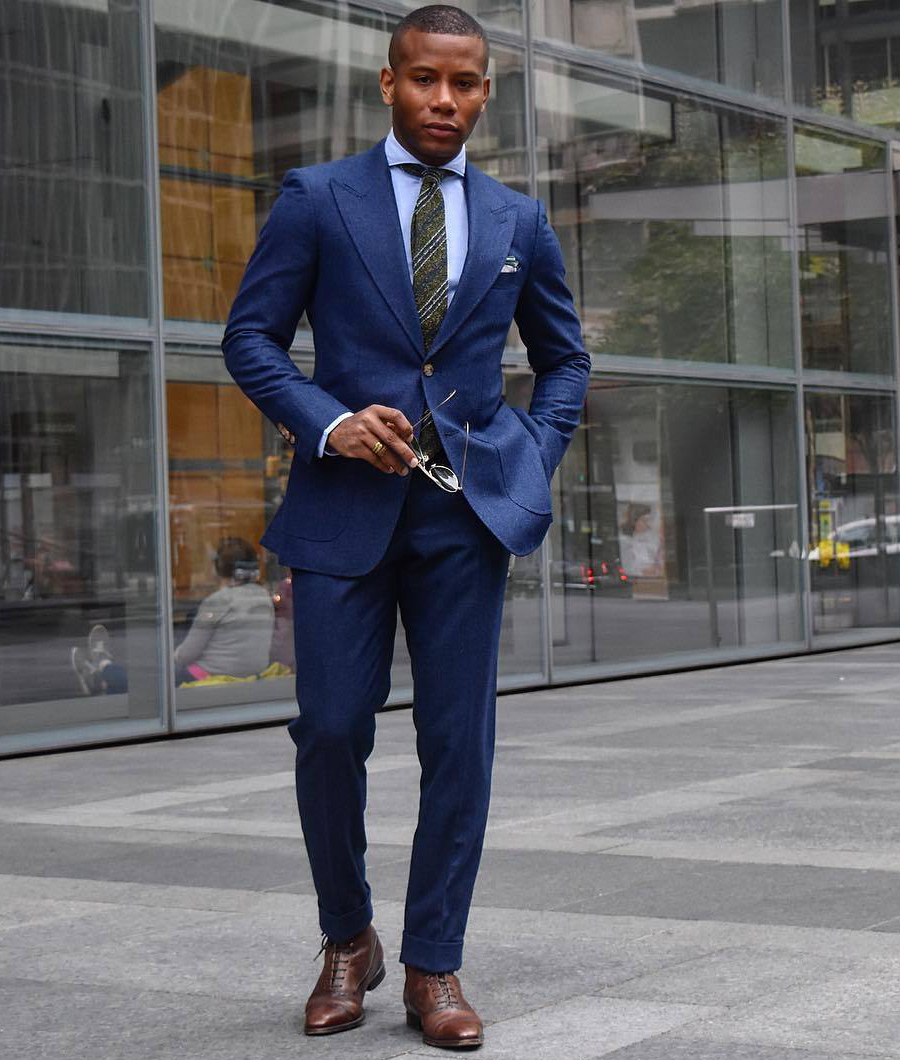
(427, 415)
(462, 476)
(422, 419)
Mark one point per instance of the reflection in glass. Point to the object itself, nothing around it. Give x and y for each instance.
(846, 58)
(505, 14)
(249, 91)
(854, 511)
(677, 525)
(521, 635)
(672, 216)
(844, 276)
(72, 189)
(77, 530)
(732, 42)
(228, 470)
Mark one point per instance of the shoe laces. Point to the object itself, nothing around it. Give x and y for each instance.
(443, 989)
(339, 954)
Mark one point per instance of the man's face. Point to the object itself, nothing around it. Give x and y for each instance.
(438, 91)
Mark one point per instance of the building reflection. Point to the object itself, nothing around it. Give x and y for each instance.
(732, 489)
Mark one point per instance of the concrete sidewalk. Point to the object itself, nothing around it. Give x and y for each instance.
(701, 866)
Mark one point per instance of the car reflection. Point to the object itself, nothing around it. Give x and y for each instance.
(603, 575)
(858, 539)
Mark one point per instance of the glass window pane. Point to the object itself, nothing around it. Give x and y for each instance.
(732, 42)
(854, 509)
(228, 470)
(72, 188)
(844, 276)
(228, 467)
(673, 218)
(77, 536)
(505, 14)
(246, 92)
(846, 58)
(677, 525)
(522, 633)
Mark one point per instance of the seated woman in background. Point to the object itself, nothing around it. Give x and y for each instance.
(231, 634)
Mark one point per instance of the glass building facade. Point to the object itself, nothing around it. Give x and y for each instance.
(722, 178)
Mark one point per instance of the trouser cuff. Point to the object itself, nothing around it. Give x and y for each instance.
(341, 928)
(431, 956)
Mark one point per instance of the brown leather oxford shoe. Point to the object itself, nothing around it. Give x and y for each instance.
(351, 968)
(435, 1006)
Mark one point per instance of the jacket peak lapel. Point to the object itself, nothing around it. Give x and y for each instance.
(364, 197)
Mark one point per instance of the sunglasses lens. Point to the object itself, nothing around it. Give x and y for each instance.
(445, 476)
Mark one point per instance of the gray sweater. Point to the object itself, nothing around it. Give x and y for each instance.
(231, 633)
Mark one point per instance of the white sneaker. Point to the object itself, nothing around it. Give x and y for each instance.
(98, 644)
(84, 671)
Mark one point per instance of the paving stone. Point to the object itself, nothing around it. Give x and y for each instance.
(671, 1047)
(769, 894)
(46, 1021)
(582, 1028)
(731, 976)
(856, 816)
(852, 763)
(239, 862)
(848, 1014)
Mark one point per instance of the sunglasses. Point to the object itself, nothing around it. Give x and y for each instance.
(441, 475)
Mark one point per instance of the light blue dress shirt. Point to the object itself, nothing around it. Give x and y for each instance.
(456, 219)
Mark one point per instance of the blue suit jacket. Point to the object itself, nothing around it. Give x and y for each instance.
(332, 246)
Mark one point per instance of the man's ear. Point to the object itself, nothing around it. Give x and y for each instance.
(387, 80)
(487, 91)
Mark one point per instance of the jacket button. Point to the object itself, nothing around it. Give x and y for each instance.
(428, 369)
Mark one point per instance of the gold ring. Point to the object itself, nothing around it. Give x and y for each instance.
(377, 447)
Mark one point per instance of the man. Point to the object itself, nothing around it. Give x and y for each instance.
(411, 265)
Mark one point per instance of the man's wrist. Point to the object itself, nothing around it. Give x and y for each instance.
(324, 450)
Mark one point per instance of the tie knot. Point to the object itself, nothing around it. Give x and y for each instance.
(425, 172)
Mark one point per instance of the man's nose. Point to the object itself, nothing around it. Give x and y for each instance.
(442, 99)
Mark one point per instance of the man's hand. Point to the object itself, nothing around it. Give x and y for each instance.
(355, 436)
(375, 423)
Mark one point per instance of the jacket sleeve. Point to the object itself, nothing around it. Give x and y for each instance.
(277, 285)
(550, 329)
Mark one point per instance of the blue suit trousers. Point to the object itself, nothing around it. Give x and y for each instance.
(447, 573)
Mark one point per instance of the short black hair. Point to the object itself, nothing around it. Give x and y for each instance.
(438, 18)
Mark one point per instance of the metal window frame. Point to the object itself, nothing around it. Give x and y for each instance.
(800, 477)
(166, 639)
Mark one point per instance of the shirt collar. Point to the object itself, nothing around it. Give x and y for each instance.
(397, 155)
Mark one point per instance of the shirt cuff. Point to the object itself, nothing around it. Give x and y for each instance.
(327, 450)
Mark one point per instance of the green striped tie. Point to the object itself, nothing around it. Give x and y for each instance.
(428, 248)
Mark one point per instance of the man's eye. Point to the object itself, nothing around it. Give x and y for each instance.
(424, 79)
